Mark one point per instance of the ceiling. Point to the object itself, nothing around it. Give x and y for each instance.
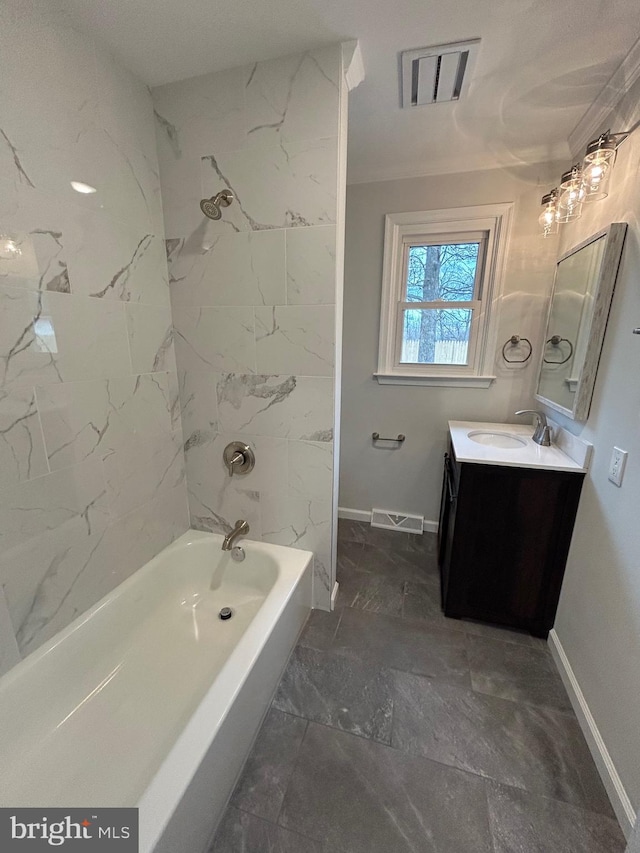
(541, 63)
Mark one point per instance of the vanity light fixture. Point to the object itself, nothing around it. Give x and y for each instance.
(582, 183)
(548, 219)
(571, 195)
(598, 163)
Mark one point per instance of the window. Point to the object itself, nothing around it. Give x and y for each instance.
(441, 290)
(442, 275)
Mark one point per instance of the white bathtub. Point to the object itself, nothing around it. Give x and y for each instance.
(149, 699)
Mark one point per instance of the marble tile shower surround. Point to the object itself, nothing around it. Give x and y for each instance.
(91, 459)
(253, 295)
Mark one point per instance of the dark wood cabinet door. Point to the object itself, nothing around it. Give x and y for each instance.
(505, 551)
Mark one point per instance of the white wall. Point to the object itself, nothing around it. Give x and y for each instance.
(254, 293)
(408, 479)
(91, 463)
(598, 621)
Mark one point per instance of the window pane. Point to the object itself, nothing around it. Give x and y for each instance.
(436, 335)
(446, 273)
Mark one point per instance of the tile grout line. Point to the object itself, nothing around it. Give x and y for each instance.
(270, 823)
(293, 770)
(489, 817)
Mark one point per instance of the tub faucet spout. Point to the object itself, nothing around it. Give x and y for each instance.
(241, 529)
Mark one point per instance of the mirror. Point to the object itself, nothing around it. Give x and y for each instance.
(578, 313)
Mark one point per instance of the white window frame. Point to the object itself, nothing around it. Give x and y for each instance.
(438, 226)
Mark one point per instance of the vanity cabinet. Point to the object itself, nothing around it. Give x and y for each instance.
(503, 542)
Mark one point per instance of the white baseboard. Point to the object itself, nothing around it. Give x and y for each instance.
(365, 516)
(610, 778)
(354, 514)
(334, 596)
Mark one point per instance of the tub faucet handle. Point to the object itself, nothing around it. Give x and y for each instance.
(238, 457)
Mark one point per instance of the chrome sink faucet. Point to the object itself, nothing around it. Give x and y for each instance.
(542, 432)
(241, 529)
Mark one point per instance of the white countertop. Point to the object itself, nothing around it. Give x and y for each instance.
(529, 456)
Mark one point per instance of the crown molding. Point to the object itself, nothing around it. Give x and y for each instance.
(593, 121)
(352, 64)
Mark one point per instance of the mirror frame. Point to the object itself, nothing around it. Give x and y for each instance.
(603, 296)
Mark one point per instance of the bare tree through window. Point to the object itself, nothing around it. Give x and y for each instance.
(439, 273)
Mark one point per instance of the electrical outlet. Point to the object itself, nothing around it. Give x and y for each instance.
(616, 467)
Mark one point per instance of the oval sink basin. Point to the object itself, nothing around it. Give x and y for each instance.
(503, 440)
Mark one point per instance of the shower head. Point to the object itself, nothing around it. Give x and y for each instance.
(211, 206)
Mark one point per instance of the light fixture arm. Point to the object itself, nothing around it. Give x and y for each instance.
(607, 138)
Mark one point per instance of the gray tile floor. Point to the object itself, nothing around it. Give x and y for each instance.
(396, 730)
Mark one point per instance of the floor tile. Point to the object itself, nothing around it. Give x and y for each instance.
(528, 747)
(398, 540)
(352, 531)
(349, 556)
(364, 591)
(397, 565)
(266, 774)
(320, 629)
(519, 673)
(422, 601)
(497, 632)
(359, 796)
(409, 645)
(243, 833)
(415, 565)
(426, 543)
(340, 689)
(525, 823)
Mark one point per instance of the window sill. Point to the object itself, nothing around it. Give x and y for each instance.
(451, 381)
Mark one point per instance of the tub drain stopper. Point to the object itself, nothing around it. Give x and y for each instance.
(226, 613)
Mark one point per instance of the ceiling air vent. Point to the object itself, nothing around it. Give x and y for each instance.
(432, 75)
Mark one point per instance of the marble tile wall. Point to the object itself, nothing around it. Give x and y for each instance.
(92, 481)
(253, 295)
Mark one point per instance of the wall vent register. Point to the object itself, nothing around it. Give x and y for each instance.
(437, 74)
(391, 520)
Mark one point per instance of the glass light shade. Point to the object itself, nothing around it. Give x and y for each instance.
(548, 219)
(569, 206)
(571, 195)
(597, 165)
